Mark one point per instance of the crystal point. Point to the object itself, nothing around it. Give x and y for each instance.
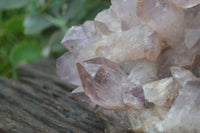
(181, 75)
(66, 69)
(103, 88)
(192, 39)
(107, 22)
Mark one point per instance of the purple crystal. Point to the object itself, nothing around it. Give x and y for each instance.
(79, 95)
(134, 97)
(104, 85)
(66, 69)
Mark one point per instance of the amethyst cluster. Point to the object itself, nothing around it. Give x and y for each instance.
(138, 65)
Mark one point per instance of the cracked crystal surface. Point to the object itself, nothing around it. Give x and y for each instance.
(138, 65)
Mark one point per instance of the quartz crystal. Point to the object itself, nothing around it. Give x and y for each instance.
(162, 17)
(192, 39)
(181, 75)
(152, 46)
(127, 45)
(184, 115)
(78, 35)
(137, 65)
(79, 95)
(107, 22)
(161, 92)
(101, 81)
(146, 120)
(142, 72)
(126, 11)
(67, 70)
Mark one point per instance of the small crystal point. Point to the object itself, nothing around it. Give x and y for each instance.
(107, 22)
(78, 37)
(181, 75)
(73, 36)
(78, 90)
(66, 69)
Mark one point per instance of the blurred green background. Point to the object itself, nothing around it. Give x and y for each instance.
(33, 29)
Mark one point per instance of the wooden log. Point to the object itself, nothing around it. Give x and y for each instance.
(38, 102)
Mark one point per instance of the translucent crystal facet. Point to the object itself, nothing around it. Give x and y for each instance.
(162, 17)
(142, 72)
(152, 46)
(161, 92)
(66, 69)
(145, 120)
(122, 46)
(126, 11)
(192, 39)
(77, 36)
(181, 75)
(107, 22)
(104, 88)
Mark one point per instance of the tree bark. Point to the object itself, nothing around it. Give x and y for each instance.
(39, 102)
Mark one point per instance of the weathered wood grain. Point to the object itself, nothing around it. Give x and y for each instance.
(39, 102)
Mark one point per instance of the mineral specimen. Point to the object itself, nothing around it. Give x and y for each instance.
(138, 65)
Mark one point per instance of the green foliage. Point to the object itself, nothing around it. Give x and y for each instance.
(10, 24)
(32, 29)
(25, 52)
(35, 24)
(8, 4)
